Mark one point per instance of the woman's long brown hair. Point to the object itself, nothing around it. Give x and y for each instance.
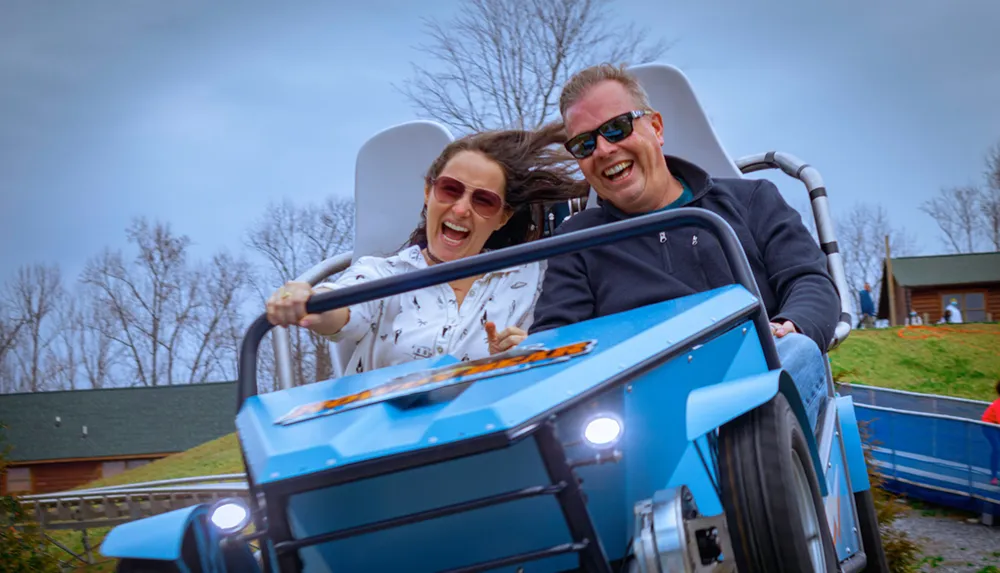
(536, 169)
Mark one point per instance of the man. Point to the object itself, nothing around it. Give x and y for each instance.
(616, 138)
(867, 307)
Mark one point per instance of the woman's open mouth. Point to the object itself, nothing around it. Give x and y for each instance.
(453, 234)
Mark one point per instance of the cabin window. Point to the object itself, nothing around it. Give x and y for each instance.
(136, 463)
(109, 469)
(18, 480)
(972, 304)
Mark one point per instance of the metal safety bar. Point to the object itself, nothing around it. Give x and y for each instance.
(809, 176)
(280, 339)
(513, 256)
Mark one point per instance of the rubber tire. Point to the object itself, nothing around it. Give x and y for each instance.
(755, 476)
(871, 538)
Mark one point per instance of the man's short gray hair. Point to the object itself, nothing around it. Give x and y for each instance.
(589, 77)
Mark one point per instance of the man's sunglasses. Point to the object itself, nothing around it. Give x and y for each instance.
(485, 203)
(613, 130)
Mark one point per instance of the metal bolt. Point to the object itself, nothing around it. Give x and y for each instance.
(690, 358)
(744, 330)
(628, 388)
(490, 426)
(432, 440)
(331, 462)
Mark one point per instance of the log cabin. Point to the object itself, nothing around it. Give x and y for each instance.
(61, 440)
(926, 284)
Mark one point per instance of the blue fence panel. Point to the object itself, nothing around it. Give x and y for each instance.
(952, 458)
(914, 402)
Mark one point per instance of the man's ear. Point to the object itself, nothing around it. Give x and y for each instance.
(657, 122)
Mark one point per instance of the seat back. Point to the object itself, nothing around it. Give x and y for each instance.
(389, 183)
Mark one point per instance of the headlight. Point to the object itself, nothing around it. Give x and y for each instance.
(230, 515)
(602, 431)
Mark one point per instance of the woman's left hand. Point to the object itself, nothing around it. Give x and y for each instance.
(504, 340)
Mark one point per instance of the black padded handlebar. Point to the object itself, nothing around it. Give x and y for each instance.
(512, 256)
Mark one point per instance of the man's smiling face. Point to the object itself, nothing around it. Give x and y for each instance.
(632, 173)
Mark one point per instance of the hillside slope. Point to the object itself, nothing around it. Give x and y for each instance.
(952, 360)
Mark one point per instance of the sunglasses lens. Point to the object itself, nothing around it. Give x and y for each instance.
(448, 190)
(582, 145)
(486, 203)
(617, 129)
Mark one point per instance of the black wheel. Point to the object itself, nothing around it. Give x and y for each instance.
(771, 495)
(870, 536)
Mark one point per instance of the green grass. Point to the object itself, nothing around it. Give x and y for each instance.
(220, 456)
(952, 360)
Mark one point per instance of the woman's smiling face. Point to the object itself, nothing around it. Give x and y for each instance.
(456, 229)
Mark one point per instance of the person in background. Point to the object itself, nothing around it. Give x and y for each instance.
(952, 313)
(867, 308)
(992, 432)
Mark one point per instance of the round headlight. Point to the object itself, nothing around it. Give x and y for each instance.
(230, 515)
(602, 431)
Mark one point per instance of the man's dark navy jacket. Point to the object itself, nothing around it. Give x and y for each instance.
(788, 265)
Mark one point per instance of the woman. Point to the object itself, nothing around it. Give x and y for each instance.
(482, 193)
(992, 416)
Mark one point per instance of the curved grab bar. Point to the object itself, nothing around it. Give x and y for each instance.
(512, 256)
(809, 176)
(280, 339)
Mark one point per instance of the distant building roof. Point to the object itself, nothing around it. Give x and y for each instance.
(119, 421)
(946, 270)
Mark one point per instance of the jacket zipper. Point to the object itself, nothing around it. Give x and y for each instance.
(697, 258)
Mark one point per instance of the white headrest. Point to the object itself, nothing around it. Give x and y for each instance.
(389, 183)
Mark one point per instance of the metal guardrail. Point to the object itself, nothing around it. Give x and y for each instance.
(112, 505)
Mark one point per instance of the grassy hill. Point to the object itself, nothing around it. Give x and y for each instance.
(952, 360)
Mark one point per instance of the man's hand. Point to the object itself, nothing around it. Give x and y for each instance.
(504, 340)
(783, 328)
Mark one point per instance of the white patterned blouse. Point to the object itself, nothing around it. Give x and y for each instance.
(428, 322)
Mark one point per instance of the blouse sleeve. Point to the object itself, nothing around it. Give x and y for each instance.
(363, 315)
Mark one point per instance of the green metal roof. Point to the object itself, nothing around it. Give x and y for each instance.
(119, 421)
(946, 270)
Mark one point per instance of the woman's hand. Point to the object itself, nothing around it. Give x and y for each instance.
(504, 340)
(287, 306)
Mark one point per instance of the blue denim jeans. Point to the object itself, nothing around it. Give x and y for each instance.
(802, 359)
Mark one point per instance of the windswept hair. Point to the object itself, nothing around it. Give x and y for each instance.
(536, 168)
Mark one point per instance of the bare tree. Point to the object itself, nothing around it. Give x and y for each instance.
(217, 329)
(501, 63)
(989, 198)
(152, 300)
(957, 215)
(861, 233)
(10, 326)
(291, 239)
(33, 296)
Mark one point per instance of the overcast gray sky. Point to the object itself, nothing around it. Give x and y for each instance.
(199, 113)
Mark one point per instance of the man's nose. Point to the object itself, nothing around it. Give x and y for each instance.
(604, 147)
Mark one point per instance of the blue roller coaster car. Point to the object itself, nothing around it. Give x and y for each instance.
(663, 439)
